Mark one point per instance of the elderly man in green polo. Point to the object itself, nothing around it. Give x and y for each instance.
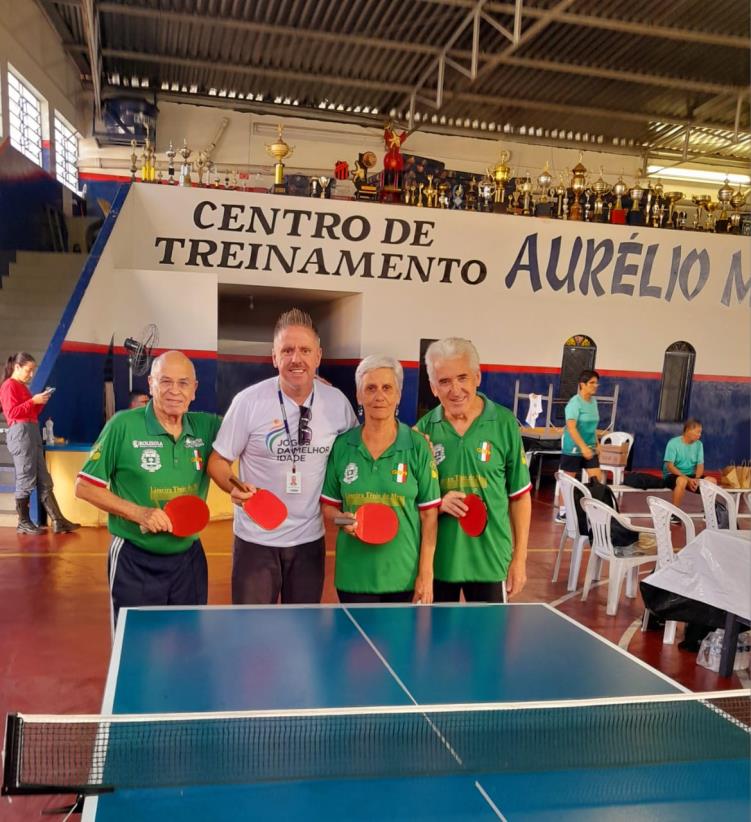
(143, 458)
(478, 449)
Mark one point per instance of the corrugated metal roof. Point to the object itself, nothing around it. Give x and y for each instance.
(642, 73)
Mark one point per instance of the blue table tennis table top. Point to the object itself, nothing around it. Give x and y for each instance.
(170, 660)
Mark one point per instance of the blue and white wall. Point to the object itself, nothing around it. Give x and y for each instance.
(387, 276)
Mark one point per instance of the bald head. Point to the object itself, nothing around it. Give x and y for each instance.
(169, 359)
(172, 384)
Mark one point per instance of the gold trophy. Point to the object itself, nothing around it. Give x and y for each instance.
(171, 154)
(279, 150)
(599, 188)
(185, 166)
(500, 173)
(618, 212)
(672, 197)
(578, 184)
(431, 193)
(724, 195)
(543, 207)
(133, 161)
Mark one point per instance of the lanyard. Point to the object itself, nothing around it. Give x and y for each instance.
(294, 447)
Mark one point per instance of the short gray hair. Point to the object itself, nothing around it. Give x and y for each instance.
(373, 361)
(295, 317)
(450, 348)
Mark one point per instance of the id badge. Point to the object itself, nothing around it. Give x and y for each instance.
(294, 482)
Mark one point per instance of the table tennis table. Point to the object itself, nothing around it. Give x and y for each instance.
(168, 660)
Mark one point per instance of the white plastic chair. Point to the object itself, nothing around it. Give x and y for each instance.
(600, 516)
(571, 531)
(617, 438)
(662, 511)
(710, 493)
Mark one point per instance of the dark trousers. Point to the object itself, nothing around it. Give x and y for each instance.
(261, 573)
(138, 577)
(24, 442)
(473, 591)
(348, 597)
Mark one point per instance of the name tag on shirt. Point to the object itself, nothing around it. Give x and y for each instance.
(294, 482)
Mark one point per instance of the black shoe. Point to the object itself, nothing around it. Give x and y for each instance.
(60, 525)
(674, 520)
(654, 623)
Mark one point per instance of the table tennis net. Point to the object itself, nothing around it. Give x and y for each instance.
(61, 754)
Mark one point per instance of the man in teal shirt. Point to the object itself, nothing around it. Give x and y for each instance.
(478, 450)
(143, 458)
(683, 464)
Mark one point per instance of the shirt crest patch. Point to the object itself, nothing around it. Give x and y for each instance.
(401, 472)
(350, 473)
(150, 460)
(197, 459)
(439, 453)
(484, 451)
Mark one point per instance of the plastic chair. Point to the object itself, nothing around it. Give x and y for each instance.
(662, 511)
(571, 531)
(621, 564)
(710, 493)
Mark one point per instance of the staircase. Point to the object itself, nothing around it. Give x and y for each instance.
(32, 299)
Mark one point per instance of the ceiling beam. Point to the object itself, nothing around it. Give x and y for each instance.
(404, 89)
(613, 24)
(91, 32)
(336, 38)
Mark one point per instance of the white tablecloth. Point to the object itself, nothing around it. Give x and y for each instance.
(714, 568)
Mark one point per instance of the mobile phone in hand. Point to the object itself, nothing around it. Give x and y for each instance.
(50, 389)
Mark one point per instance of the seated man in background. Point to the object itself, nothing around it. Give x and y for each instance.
(683, 464)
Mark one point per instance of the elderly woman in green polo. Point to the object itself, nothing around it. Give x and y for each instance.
(383, 460)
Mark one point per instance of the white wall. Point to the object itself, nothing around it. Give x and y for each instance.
(510, 322)
(30, 44)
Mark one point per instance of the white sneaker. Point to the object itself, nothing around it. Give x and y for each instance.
(561, 515)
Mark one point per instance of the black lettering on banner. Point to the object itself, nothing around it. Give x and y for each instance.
(229, 254)
(201, 249)
(592, 269)
(297, 214)
(449, 263)
(287, 265)
(316, 259)
(735, 278)
(645, 289)
(421, 233)
(674, 267)
(169, 248)
(693, 257)
(326, 221)
(350, 229)
(255, 249)
(389, 264)
(392, 223)
(366, 259)
(482, 272)
(198, 214)
(624, 269)
(414, 263)
(257, 216)
(526, 260)
(551, 274)
(230, 217)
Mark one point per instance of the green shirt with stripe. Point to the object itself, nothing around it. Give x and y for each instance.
(142, 463)
(405, 478)
(487, 460)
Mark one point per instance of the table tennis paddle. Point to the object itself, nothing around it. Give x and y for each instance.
(188, 514)
(474, 521)
(375, 523)
(264, 507)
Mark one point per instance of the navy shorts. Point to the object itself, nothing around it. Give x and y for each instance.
(573, 463)
(671, 479)
(138, 577)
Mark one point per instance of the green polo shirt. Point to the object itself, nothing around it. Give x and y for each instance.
(488, 460)
(144, 464)
(404, 477)
(686, 457)
(586, 415)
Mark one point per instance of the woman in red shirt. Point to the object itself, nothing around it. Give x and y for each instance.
(24, 442)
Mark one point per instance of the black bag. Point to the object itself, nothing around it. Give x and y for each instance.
(620, 536)
(645, 482)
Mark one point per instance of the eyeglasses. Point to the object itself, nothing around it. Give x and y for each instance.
(181, 385)
(304, 433)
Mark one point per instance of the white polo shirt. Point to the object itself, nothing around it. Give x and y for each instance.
(253, 431)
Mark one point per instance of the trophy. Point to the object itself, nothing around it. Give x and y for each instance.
(457, 197)
(618, 212)
(561, 196)
(578, 184)
(444, 191)
(500, 174)
(185, 153)
(171, 154)
(635, 217)
(714, 224)
(420, 187)
(544, 208)
(133, 161)
(363, 189)
(471, 200)
(724, 195)
(738, 200)
(700, 201)
(431, 193)
(672, 197)
(279, 151)
(525, 187)
(325, 187)
(599, 189)
(410, 191)
(485, 192)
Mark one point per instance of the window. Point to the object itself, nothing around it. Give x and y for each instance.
(25, 114)
(579, 354)
(66, 153)
(675, 389)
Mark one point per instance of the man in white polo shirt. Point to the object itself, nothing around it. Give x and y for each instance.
(282, 430)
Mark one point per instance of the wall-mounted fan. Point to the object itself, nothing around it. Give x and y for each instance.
(139, 352)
